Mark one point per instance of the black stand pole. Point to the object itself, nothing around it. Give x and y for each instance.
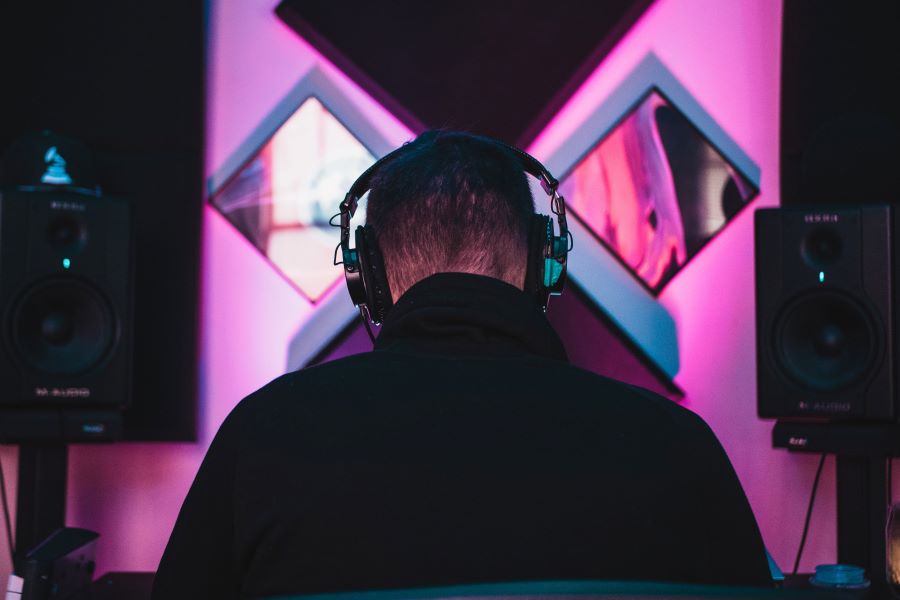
(862, 505)
(41, 496)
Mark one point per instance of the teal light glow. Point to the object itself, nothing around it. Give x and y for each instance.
(821, 276)
(66, 263)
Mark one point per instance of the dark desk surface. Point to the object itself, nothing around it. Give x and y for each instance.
(137, 586)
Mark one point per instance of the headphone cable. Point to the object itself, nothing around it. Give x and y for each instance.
(809, 510)
(365, 320)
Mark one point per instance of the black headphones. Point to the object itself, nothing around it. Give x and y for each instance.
(364, 266)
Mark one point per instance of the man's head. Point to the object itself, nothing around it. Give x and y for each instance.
(451, 202)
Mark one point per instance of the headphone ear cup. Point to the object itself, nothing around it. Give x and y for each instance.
(538, 239)
(374, 277)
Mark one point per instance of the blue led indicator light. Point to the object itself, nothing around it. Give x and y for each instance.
(821, 276)
(66, 263)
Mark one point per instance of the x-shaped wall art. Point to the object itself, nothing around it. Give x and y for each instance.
(649, 176)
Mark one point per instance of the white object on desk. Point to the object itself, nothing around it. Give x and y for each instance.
(14, 587)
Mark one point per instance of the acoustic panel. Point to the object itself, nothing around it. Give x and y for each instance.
(437, 65)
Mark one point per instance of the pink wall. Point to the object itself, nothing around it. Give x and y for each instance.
(727, 54)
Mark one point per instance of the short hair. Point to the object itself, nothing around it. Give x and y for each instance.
(451, 202)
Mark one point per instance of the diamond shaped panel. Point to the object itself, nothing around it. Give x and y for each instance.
(655, 190)
(282, 198)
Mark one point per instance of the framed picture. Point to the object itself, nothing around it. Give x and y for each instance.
(655, 190)
(650, 179)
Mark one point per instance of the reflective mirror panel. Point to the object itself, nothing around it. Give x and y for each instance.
(654, 190)
(282, 198)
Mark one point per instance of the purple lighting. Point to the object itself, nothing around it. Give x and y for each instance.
(727, 54)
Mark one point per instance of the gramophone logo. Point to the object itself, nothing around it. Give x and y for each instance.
(56, 168)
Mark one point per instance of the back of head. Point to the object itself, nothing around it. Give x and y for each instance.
(451, 202)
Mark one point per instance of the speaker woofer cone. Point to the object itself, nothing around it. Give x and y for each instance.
(826, 341)
(63, 327)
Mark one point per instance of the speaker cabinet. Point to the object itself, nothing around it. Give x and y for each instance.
(825, 313)
(65, 308)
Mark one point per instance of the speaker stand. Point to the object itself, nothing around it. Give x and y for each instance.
(862, 454)
(41, 496)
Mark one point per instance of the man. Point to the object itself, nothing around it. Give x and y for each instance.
(464, 448)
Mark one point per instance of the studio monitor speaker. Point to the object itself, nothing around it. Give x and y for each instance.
(825, 313)
(65, 303)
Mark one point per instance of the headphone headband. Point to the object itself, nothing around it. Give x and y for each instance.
(362, 272)
(530, 165)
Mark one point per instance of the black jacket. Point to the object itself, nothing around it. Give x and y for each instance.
(464, 449)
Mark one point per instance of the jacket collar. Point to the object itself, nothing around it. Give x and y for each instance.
(460, 313)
